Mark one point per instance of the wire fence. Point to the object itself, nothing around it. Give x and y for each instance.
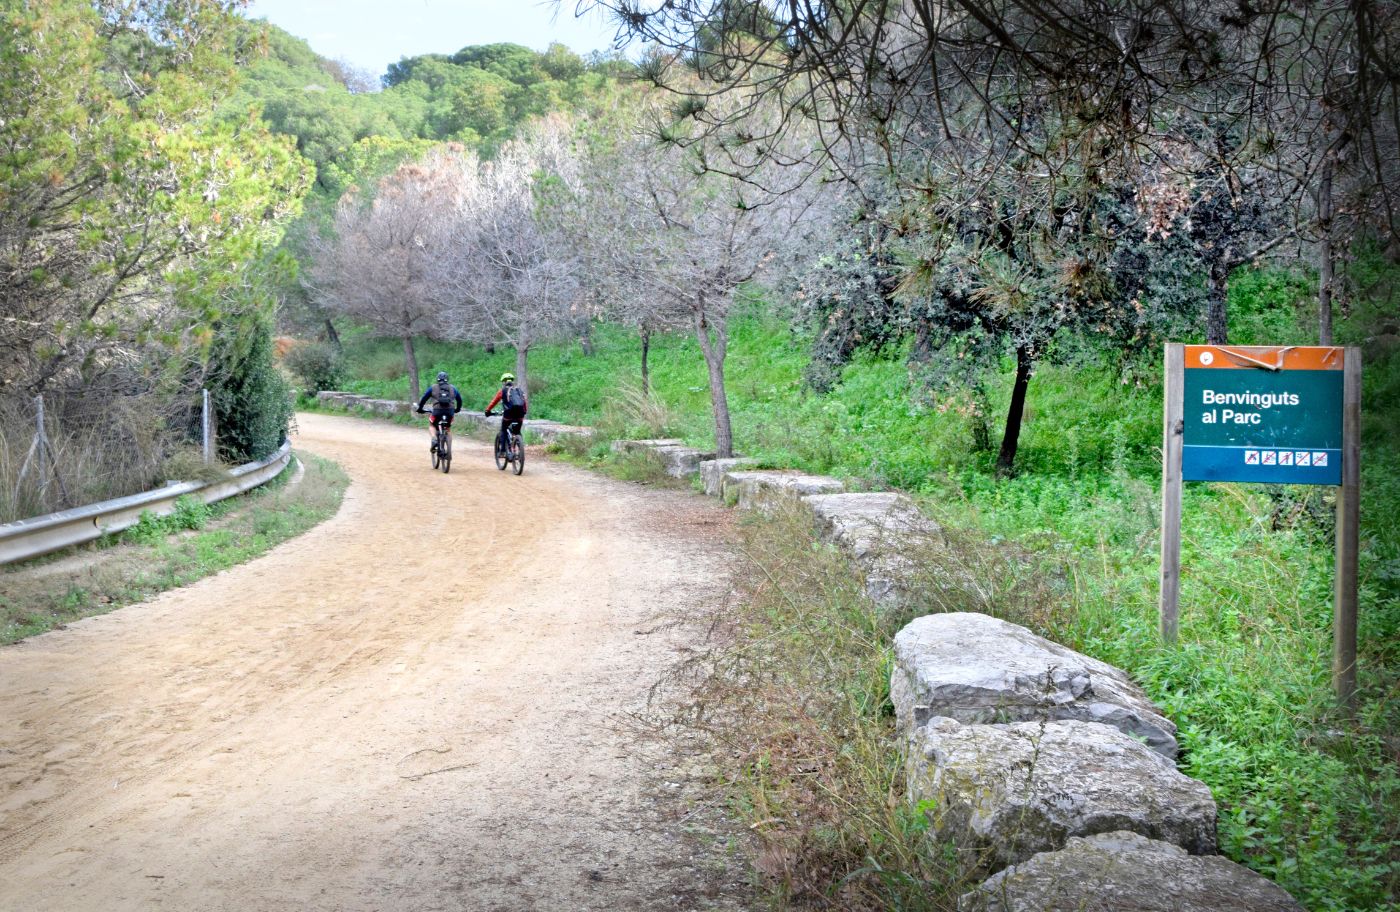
(59, 451)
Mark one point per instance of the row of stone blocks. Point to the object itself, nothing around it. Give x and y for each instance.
(1055, 775)
(547, 430)
(1051, 772)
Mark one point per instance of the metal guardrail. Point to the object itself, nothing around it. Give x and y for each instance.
(42, 534)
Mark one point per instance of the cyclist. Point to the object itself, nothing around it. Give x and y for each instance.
(513, 408)
(446, 403)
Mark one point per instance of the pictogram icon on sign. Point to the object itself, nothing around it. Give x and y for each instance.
(1251, 457)
(1285, 458)
(1303, 458)
(1319, 459)
(1269, 457)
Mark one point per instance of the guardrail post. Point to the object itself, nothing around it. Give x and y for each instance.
(205, 430)
(41, 441)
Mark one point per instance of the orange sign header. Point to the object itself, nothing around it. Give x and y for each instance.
(1266, 357)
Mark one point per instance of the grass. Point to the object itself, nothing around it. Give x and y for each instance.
(160, 553)
(1307, 796)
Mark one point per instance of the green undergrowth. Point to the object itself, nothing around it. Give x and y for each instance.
(165, 552)
(1307, 796)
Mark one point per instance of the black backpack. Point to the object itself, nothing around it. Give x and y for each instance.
(514, 397)
(442, 393)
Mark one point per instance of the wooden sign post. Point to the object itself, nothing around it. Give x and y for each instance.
(1279, 415)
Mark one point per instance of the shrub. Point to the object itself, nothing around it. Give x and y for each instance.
(317, 365)
(252, 402)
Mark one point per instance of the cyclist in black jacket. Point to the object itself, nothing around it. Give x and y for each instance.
(446, 403)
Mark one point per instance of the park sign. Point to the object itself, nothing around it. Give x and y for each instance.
(1277, 415)
(1263, 414)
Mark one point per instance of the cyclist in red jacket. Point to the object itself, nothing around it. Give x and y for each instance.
(513, 408)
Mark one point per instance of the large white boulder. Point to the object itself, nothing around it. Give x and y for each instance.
(1005, 792)
(1125, 872)
(977, 668)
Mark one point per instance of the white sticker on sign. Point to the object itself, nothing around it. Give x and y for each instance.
(1285, 458)
(1251, 457)
(1270, 458)
(1303, 457)
(1207, 358)
(1319, 459)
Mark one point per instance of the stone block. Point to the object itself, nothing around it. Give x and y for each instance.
(1125, 872)
(681, 461)
(1006, 792)
(629, 446)
(756, 489)
(712, 472)
(976, 668)
(878, 530)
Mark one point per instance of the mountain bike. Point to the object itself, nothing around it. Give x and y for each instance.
(442, 445)
(510, 449)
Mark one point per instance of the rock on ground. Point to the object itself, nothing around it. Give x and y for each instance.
(755, 489)
(713, 472)
(878, 530)
(976, 668)
(1124, 872)
(678, 459)
(681, 461)
(629, 446)
(1006, 792)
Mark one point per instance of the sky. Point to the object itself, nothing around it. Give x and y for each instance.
(375, 33)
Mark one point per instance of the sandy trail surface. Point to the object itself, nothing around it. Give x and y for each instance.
(414, 706)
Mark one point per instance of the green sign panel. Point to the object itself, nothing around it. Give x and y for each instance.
(1245, 420)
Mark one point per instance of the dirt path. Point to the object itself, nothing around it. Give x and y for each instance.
(412, 707)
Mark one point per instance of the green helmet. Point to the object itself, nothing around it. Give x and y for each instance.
(507, 377)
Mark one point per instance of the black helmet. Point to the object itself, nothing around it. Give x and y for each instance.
(442, 376)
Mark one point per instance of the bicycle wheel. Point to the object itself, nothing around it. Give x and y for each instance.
(436, 446)
(446, 448)
(502, 458)
(518, 446)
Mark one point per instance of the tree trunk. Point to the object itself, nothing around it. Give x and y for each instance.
(1012, 435)
(1217, 326)
(714, 350)
(585, 339)
(1325, 254)
(411, 362)
(332, 336)
(646, 369)
(522, 377)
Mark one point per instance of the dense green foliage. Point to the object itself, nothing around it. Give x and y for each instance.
(1306, 796)
(251, 399)
(477, 96)
(135, 225)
